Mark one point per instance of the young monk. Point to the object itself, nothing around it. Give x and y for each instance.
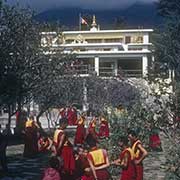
(64, 149)
(139, 153)
(80, 131)
(98, 161)
(104, 128)
(125, 160)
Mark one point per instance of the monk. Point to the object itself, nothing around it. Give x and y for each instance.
(31, 138)
(154, 139)
(72, 116)
(125, 160)
(80, 131)
(92, 134)
(44, 144)
(64, 149)
(139, 153)
(99, 162)
(104, 128)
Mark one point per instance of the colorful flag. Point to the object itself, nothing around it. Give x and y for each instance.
(83, 21)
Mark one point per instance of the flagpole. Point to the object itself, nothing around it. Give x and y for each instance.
(79, 21)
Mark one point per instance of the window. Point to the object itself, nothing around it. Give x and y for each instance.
(128, 39)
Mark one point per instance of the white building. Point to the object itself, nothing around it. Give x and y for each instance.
(107, 52)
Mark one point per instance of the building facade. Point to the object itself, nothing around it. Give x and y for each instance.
(105, 52)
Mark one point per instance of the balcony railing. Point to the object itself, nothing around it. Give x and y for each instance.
(103, 71)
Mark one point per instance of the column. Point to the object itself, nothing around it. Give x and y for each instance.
(146, 38)
(144, 65)
(116, 67)
(85, 104)
(96, 63)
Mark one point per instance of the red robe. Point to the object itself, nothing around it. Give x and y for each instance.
(43, 144)
(92, 134)
(80, 134)
(98, 158)
(138, 154)
(154, 141)
(128, 173)
(104, 129)
(66, 151)
(30, 141)
(71, 116)
(63, 113)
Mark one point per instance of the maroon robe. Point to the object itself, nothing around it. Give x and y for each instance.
(66, 151)
(104, 129)
(128, 173)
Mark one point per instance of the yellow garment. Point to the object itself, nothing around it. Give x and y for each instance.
(137, 153)
(56, 133)
(131, 153)
(29, 123)
(98, 157)
(81, 121)
(103, 119)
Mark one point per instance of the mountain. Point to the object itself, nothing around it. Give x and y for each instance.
(138, 15)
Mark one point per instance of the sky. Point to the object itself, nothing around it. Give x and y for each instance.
(42, 5)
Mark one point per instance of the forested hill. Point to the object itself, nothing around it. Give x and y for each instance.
(137, 15)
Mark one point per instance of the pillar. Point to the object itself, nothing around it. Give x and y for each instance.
(96, 63)
(144, 65)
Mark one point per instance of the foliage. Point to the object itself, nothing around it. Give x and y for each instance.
(168, 48)
(104, 93)
(26, 72)
(19, 39)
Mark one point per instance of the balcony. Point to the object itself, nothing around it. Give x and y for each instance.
(86, 70)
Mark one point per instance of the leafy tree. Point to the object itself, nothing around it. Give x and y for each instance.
(167, 51)
(27, 73)
(19, 45)
(104, 93)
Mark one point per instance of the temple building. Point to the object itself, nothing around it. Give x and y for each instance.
(126, 52)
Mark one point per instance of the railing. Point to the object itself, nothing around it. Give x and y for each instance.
(103, 71)
(133, 73)
(106, 71)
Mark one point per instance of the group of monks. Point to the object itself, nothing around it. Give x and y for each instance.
(83, 159)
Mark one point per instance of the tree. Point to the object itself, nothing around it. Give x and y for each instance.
(104, 93)
(27, 73)
(19, 44)
(169, 44)
(167, 48)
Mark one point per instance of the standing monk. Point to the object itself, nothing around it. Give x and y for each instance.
(98, 161)
(31, 138)
(64, 149)
(80, 131)
(92, 134)
(125, 160)
(139, 153)
(104, 128)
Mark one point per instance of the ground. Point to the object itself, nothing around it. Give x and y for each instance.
(31, 169)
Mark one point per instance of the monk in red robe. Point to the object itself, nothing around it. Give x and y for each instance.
(31, 138)
(98, 161)
(72, 116)
(125, 160)
(104, 128)
(154, 139)
(64, 149)
(63, 113)
(44, 144)
(92, 134)
(139, 153)
(80, 132)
